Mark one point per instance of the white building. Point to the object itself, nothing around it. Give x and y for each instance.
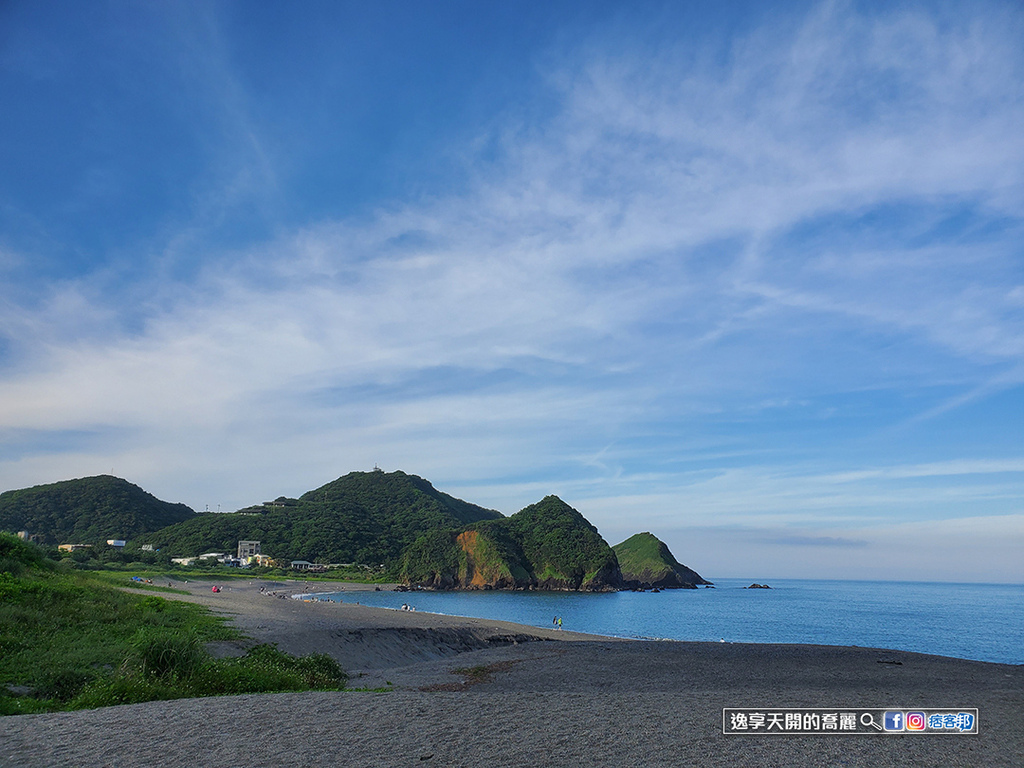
(248, 549)
(305, 565)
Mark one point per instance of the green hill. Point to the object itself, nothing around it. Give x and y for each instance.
(393, 519)
(363, 517)
(646, 562)
(562, 547)
(87, 510)
(548, 545)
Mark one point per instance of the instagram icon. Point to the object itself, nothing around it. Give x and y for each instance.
(915, 721)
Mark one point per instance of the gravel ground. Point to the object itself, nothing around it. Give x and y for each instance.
(541, 699)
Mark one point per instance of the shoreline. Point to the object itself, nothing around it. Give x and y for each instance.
(198, 592)
(361, 638)
(466, 692)
(620, 622)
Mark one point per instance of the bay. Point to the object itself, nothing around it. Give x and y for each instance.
(983, 622)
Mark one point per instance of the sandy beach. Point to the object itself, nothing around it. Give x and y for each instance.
(536, 697)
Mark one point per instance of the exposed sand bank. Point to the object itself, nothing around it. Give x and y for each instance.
(361, 638)
(550, 699)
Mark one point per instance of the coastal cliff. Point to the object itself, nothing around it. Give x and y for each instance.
(548, 545)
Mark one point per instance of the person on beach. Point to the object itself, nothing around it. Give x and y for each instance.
(559, 622)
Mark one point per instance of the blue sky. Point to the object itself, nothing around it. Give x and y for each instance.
(749, 278)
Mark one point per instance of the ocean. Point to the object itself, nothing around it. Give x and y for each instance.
(984, 622)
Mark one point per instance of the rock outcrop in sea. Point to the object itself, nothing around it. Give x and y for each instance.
(647, 563)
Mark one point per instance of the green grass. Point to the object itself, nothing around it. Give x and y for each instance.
(226, 573)
(71, 640)
(162, 577)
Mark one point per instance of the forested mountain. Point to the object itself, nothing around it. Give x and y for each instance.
(646, 562)
(363, 517)
(563, 547)
(87, 510)
(371, 518)
(548, 545)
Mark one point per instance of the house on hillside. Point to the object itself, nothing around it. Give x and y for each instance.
(73, 547)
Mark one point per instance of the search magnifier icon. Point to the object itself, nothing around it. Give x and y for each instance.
(868, 719)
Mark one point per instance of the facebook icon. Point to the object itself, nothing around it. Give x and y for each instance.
(893, 721)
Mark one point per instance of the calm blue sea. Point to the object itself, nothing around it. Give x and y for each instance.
(984, 622)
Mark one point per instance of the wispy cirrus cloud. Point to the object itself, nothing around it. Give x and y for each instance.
(820, 208)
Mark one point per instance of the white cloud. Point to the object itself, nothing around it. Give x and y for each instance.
(682, 237)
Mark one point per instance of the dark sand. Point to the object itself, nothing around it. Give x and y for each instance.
(552, 699)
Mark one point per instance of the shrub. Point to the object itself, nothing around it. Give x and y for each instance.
(167, 655)
(16, 556)
(276, 670)
(122, 690)
(62, 684)
(152, 603)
